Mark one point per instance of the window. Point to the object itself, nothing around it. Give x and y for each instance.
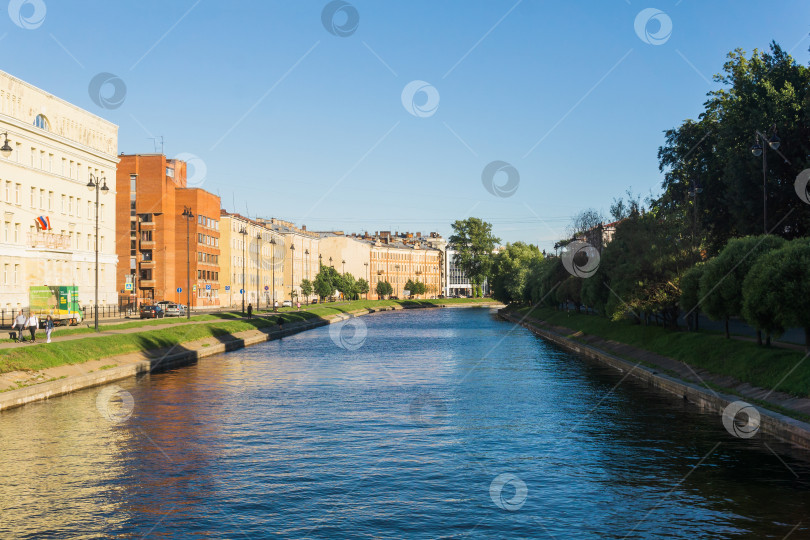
(42, 123)
(89, 209)
(70, 206)
(50, 162)
(132, 182)
(16, 273)
(101, 216)
(33, 195)
(33, 156)
(50, 201)
(8, 191)
(101, 243)
(79, 208)
(16, 236)
(5, 274)
(42, 199)
(64, 205)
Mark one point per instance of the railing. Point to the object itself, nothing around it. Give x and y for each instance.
(48, 240)
(88, 313)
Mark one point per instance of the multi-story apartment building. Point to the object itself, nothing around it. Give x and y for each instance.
(301, 250)
(252, 261)
(398, 259)
(51, 149)
(161, 249)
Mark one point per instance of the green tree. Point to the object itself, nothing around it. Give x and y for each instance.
(690, 294)
(474, 243)
(347, 285)
(409, 286)
(776, 290)
(760, 90)
(326, 281)
(362, 286)
(570, 290)
(384, 289)
(306, 288)
(721, 286)
(511, 271)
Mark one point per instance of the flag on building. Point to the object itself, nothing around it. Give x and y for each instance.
(43, 223)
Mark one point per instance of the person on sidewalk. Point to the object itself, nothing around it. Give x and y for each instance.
(48, 328)
(33, 324)
(299, 306)
(250, 311)
(19, 324)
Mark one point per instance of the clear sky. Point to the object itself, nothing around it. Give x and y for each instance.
(287, 119)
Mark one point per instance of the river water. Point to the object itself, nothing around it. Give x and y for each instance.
(444, 423)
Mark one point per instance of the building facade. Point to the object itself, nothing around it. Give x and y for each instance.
(47, 221)
(301, 249)
(252, 261)
(160, 249)
(400, 258)
(456, 282)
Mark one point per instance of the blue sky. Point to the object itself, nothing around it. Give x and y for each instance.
(294, 122)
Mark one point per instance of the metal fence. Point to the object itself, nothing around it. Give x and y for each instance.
(88, 313)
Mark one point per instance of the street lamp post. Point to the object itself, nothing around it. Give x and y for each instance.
(292, 272)
(258, 265)
(306, 257)
(330, 262)
(189, 215)
(368, 276)
(273, 260)
(760, 150)
(243, 232)
(98, 185)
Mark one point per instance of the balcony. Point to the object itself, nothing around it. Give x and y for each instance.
(147, 264)
(147, 283)
(147, 225)
(147, 244)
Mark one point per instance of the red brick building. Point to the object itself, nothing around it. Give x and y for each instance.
(152, 240)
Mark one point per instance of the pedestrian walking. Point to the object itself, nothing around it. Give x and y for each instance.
(33, 325)
(19, 324)
(250, 311)
(299, 306)
(48, 328)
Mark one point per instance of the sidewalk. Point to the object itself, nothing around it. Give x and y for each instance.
(680, 369)
(56, 338)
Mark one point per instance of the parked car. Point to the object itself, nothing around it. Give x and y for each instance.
(152, 312)
(173, 310)
(286, 303)
(314, 301)
(164, 303)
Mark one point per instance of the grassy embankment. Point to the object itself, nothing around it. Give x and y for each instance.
(76, 351)
(766, 367)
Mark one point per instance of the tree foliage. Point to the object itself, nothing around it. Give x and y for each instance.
(384, 289)
(511, 269)
(473, 241)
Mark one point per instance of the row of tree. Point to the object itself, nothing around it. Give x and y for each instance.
(328, 281)
(693, 249)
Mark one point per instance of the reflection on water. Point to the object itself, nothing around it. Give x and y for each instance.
(444, 423)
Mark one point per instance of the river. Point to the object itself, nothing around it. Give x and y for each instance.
(443, 423)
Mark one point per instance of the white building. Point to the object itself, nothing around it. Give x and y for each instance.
(55, 147)
(456, 282)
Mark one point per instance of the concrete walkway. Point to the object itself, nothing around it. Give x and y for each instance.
(681, 370)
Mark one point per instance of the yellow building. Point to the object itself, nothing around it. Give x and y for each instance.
(55, 150)
(252, 260)
(399, 260)
(301, 249)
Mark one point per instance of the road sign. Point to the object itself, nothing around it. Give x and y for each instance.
(227, 287)
(179, 289)
(266, 288)
(193, 287)
(241, 291)
(127, 286)
(207, 286)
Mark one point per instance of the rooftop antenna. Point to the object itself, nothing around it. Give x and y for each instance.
(154, 143)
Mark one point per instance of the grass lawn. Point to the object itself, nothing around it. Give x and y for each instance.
(40, 356)
(761, 366)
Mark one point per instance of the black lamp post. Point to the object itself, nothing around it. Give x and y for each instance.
(306, 258)
(98, 185)
(344, 266)
(189, 215)
(759, 150)
(243, 232)
(292, 273)
(273, 259)
(369, 280)
(330, 262)
(258, 266)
